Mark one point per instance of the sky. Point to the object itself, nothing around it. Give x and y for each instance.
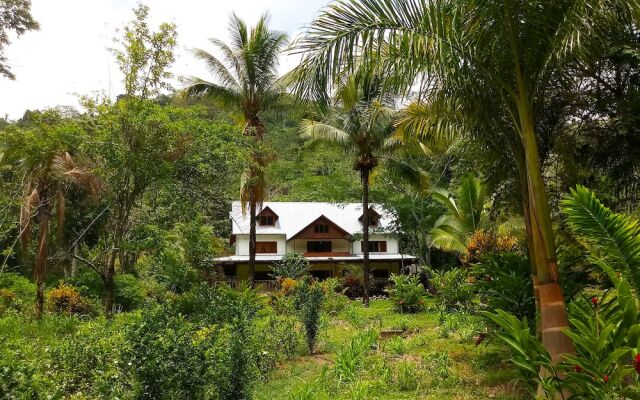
(69, 56)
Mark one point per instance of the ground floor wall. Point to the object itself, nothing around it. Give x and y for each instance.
(321, 270)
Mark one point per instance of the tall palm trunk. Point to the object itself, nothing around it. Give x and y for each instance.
(364, 175)
(40, 267)
(553, 311)
(252, 238)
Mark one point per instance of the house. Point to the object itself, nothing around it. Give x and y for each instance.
(329, 235)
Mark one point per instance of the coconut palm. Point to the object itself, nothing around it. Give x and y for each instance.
(500, 55)
(466, 213)
(362, 123)
(44, 189)
(245, 80)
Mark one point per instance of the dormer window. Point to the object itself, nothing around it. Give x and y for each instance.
(266, 220)
(374, 218)
(267, 217)
(321, 228)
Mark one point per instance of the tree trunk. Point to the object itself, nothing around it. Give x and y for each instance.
(40, 267)
(365, 234)
(252, 238)
(109, 285)
(109, 294)
(74, 260)
(553, 311)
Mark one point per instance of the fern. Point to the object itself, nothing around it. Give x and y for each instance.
(613, 240)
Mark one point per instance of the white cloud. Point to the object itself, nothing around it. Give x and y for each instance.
(69, 54)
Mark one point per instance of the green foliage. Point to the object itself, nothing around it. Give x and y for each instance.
(166, 359)
(16, 20)
(292, 265)
(128, 291)
(309, 297)
(22, 289)
(453, 291)
(527, 351)
(350, 359)
(407, 293)
(504, 283)
(605, 331)
(466, 213)
(612, 240)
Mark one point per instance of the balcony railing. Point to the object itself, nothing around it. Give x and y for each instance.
(327, 254)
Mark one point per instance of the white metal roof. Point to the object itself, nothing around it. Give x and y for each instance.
(295, 216)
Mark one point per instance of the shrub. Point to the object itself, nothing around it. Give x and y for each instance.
(66, 299)
(23, 289)
(504, 282)
(350, 359)
(292, 265)
(605, 332)
(287, 285)
(334, 302)
(454, 292)
(482, 243)
(129, 292)
(309, 298)
(352, 285)
(165, 359)
(407, 293)
(7, 299)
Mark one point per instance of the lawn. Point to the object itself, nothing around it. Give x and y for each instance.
(435, 358)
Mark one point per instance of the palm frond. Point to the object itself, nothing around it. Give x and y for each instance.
(613, 238)
(217, 69)
(319, 131)
(196, 87)
(29, 206)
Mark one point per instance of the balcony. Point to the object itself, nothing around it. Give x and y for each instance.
(326, 254)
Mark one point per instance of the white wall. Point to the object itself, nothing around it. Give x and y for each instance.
(392, 244)
(242, 243)
(337, 245)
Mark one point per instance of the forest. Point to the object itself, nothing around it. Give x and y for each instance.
(503, 135)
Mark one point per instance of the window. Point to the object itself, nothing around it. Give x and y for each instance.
(230, 271)
(321, 228)
(319, 246)
(321, 274)
(266, 220)
(266, 247)
(375, 246)
(263, 276)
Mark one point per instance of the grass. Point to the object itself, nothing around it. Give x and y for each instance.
(436, 358)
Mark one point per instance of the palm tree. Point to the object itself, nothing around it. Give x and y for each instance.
(362, 124)
(500, 55)
(466, 213)
(246, 80)
(45, 191)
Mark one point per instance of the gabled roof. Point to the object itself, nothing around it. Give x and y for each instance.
(295, 216)
(323, 219)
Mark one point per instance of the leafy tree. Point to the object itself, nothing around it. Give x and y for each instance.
(246, 81)
(138, 140)
(43, 151)
(362, 123)
(15, 15)
(502, 56)
(292, 265)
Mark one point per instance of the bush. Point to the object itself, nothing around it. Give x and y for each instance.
(165, 358)
(350, 359)
(23, 292)
(129, 292)
(483, 243)
(334, 302)
(308, 303)
(454, 292)
(407, 293)
(292, 265)
(66, 299)
(605, 332)
(504, 283)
